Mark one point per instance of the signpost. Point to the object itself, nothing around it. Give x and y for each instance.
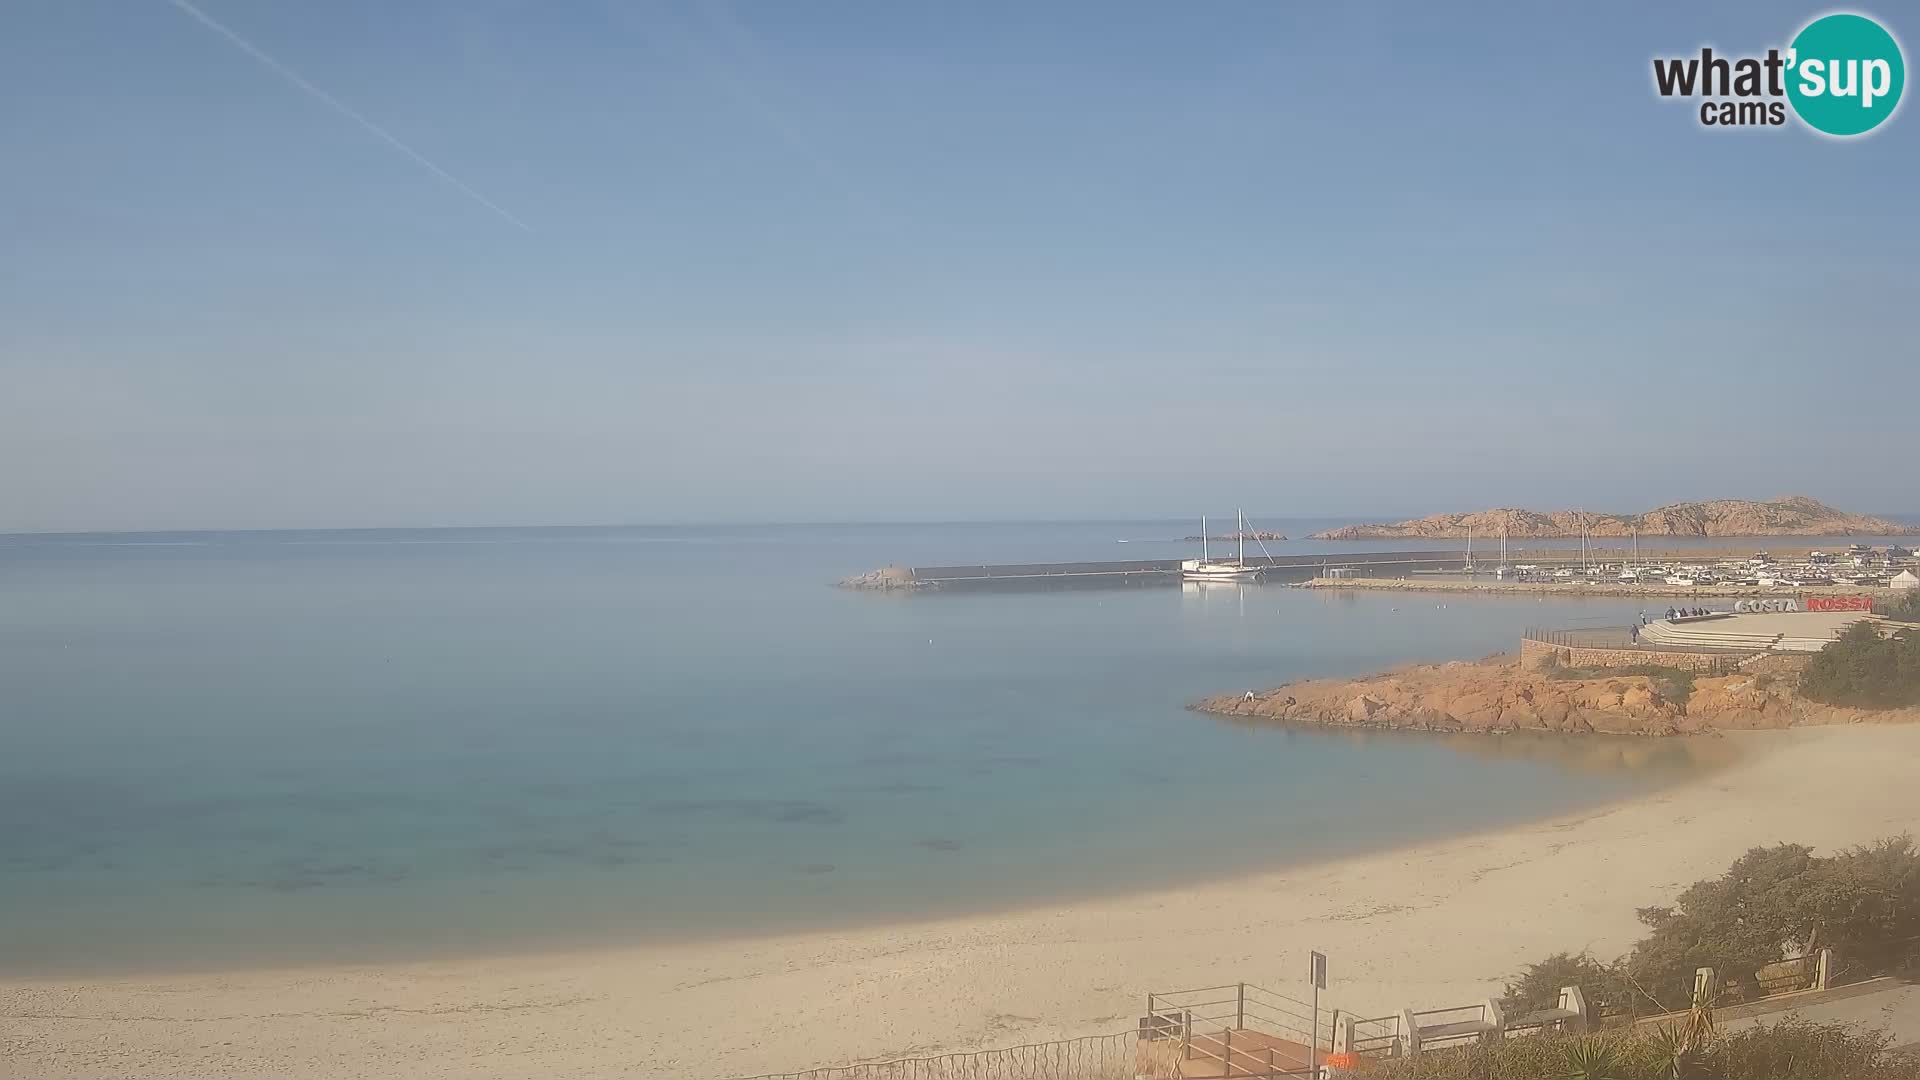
(1317, 975)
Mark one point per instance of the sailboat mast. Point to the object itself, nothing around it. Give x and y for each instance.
(1204, 557)
(1240, 527)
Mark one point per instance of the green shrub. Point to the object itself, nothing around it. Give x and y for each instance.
(1905, 608)
(1863, 903)
(1674, 684)
(1773, 902)
(1861, 668)
(1510, 1059)
(1537, 986)
(1790, 1050)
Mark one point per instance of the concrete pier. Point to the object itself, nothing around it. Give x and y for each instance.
(1112, 574)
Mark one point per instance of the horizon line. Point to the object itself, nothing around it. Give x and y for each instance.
(1895, 516)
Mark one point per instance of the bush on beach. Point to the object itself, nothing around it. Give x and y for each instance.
(1792, 1049)
(1772, 903)
(1861, 668)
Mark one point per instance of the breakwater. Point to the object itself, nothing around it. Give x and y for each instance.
(1146, 572)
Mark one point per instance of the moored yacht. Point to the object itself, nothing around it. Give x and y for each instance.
(1205, 569)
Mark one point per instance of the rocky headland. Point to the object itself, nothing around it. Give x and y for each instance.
(1792, 516)
(1497, 695)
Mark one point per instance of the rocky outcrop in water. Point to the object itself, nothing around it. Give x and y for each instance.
(1793, 516)
(1252, 534)
(1497, 695)
(885, 579)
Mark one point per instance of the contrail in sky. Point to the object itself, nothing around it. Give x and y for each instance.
(341, 107)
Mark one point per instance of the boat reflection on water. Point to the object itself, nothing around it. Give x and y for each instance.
(1223, 596)
(1676, 756)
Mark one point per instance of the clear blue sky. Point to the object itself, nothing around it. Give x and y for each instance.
(866, 260)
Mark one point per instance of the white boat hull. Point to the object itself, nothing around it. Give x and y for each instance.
(1219, 572)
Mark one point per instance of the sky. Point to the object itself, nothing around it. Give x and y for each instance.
(462, 262)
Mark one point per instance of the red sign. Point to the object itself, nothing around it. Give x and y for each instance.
(1839, 603)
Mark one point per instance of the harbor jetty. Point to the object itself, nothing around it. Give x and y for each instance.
(1876, 573)
(1290, 569)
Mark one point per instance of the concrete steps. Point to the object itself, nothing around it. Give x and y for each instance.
(1802, 632)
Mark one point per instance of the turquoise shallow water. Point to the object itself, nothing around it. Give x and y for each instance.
(263, 747)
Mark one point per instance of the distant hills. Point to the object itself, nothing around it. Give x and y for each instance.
(1793, 516)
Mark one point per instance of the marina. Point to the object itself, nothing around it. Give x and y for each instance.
(1148, 572)
(1574, 571)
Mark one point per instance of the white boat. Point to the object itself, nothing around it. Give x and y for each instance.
(1630, 572)
(1205, 569)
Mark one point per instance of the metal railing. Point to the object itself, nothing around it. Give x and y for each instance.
(1719, 660)
(1238, 1030)
(1379, 1036)
(1788, 976)
(1441, 1027)
(1096, 1057)
(1585, 637)
(1610, 1013)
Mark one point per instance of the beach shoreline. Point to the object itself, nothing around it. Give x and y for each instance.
(1705, 753)
(1434, 924)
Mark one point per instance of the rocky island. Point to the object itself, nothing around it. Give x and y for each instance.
(1250, 534)
(1498, 695)
(885, 579)
(1792, 516)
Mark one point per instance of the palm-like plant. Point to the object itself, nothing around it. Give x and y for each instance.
(1592, 1059)
(1680, 1049)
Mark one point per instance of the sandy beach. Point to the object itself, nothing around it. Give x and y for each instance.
(1438, 924)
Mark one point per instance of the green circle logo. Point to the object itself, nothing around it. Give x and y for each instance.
(1845, 74)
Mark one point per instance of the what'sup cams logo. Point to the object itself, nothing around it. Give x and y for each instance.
(1842, 76)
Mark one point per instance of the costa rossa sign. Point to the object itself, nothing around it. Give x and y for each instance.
(1839, 603)
(1811, 603)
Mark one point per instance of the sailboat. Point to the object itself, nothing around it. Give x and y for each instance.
(1630, 573)
(1205, 569)
(1503, 570)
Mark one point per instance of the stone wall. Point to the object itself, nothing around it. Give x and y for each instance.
(1533, 652)
(1777, 663)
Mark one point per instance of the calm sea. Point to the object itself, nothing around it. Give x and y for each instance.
(229, 748)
